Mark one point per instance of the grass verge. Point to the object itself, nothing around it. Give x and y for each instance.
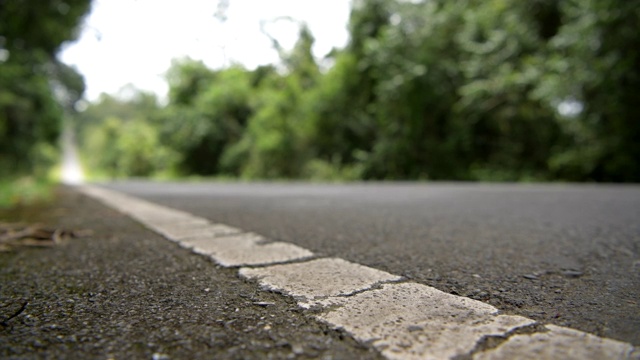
(24, 191)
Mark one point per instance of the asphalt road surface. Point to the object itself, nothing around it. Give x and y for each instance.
(118, 290)
(562, 254)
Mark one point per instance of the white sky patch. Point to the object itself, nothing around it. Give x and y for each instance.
(125, 41)
(570, 108)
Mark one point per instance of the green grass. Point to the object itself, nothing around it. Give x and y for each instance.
(24, 191)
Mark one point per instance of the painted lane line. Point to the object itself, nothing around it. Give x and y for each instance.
(141, 210)
(559, 343)
(170, 223)
(318, 279)
(202, 236)
(245, 249)
(155, 213)
(206, 245)
(414, 321)
(180, 232)
(165, 227)
(403, 320)
(162, 216)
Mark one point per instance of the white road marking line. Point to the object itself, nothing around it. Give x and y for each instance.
(163, 216)
(317, 279)
(180, 232)
(559, 343)
(402, 320)
(167, 223)
(414, 321)
(245, 249)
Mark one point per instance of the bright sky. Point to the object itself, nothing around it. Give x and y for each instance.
(133, 42)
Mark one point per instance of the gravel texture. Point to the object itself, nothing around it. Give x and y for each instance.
(564, 254)
(124, 292)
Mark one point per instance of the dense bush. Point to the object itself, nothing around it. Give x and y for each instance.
(470, 90)
(36, 89)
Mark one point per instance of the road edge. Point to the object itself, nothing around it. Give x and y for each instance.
(401, 319)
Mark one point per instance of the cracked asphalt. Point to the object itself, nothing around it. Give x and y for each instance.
(125, 292)
(562, 254)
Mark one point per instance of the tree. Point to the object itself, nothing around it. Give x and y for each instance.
(274, 139)
(595, 66)
(464, 90)
(127, 148)
(342, 109)
(207, 112)
(30, 117)
(514, 129)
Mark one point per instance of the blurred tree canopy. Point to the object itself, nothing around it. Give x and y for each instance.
(128, 142)
(35, 88)
(433, 89)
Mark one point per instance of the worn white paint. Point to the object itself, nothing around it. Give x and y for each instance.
(317, 279)
(402, 320)
(245, 249)
(180, 232)
(559, 343)
(414, 321)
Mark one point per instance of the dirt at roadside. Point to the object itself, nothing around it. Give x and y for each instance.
(120, 291)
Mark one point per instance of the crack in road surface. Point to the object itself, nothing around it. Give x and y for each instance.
(402, 319)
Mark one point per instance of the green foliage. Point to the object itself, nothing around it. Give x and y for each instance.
(35, 88)
(28, 116)
(601, 48)
(187, 79)
(138, 104)
(24, 191)
(508, 121)
(470, 90)
(275, 135)
(130, 148)
(120, 137)
(272, 138)
(35, 26)
(464, 90)
(320, 170)
(202, 124)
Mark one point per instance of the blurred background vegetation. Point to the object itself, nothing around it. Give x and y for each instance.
(492, 90)
(37, 91)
